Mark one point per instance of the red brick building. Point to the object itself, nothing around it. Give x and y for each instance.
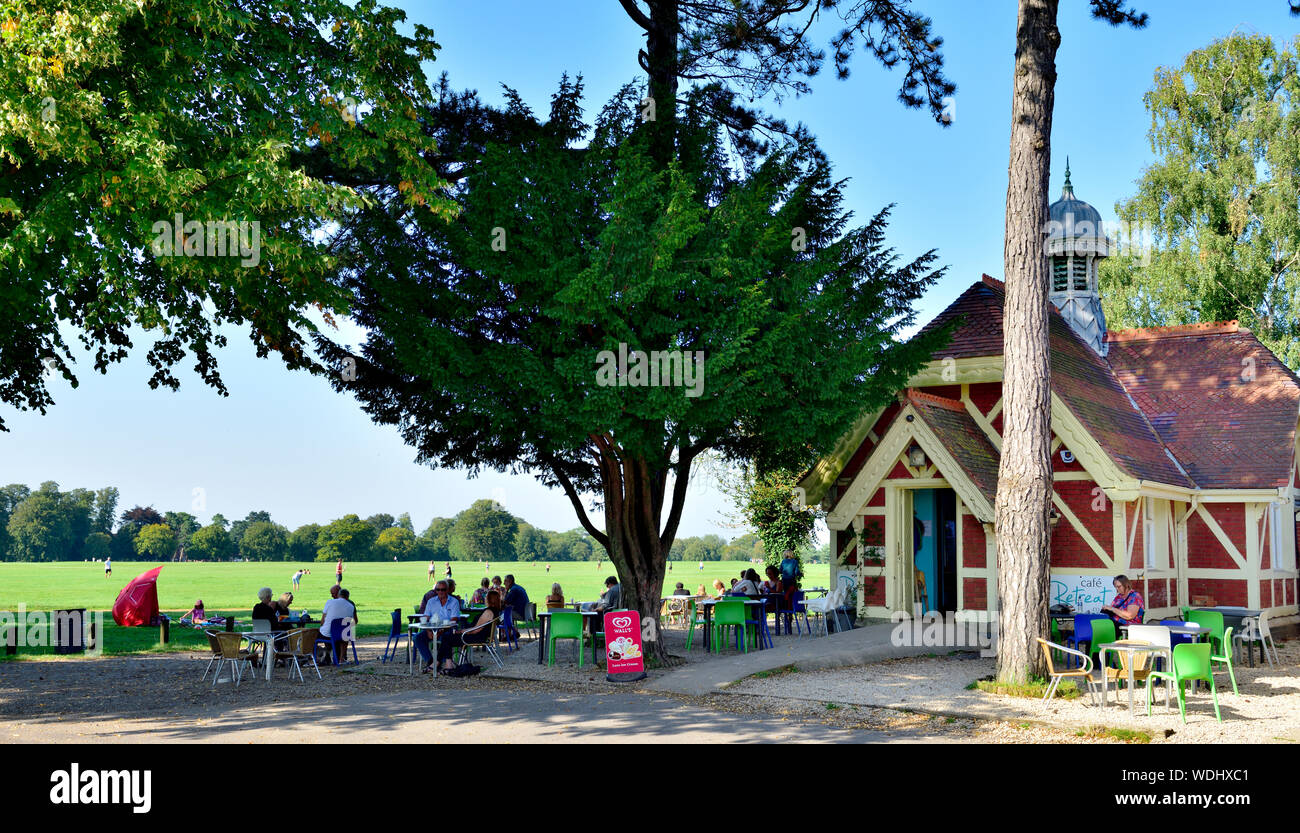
(1174, 451)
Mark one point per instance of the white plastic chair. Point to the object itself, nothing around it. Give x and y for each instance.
(1257, 630)
(819, 608)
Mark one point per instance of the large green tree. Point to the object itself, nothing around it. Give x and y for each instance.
(349, 538)
(1222, 199)
(38, 528)
(156, 541)
(118, 116)
(265, 541)
(212, 543)
(396, 543)
(484, 532)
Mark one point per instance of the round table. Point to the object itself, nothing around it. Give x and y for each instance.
(412, 627)
(1130, 649)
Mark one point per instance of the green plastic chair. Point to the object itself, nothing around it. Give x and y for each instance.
(1103, 633)
(1055, 628)
(728, 615)
(1213, 620)
(693, 618)
(1226, 657)
(564, 625)
(1191, 662)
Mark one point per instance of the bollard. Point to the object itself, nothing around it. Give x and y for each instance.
(230, 624)
(164, 630)
(11, 640)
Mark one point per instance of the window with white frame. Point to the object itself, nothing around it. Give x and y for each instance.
(1280, 546)
(1149, 530)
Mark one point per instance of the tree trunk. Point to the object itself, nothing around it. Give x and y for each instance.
(1024, 496)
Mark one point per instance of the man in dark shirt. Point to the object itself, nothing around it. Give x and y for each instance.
(516, 599)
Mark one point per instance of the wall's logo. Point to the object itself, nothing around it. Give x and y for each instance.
(110, 786)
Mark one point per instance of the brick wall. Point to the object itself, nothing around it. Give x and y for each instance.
(1203, 548)
(973, 545)
(1223, 591)
(975, 591)
(1069, 549)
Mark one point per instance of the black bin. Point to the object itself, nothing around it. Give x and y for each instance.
(69, 628)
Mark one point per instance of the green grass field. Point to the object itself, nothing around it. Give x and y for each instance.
(231, 588)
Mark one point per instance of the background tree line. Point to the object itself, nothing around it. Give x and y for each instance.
(81, 524)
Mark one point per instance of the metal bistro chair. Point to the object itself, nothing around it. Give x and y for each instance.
(233, 654)
(215, 645)
(1084, 672)
(302, 648)
(489, 645)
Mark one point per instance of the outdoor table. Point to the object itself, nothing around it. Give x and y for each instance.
(708, 605)
(412, 627)
(268, 640)
(1235, 618)
(1131, 649)
(544, 623)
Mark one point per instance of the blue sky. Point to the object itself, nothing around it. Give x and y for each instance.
(286, 443)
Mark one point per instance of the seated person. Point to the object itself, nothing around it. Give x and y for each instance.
(699, 592)
(345, 596)
(516, 598)
(451, 590)
(612, 598)
(556, 599)
(477, 634)
(282, 606)
(338, 607)
(480, 595)
(197, 616)
(746, 586)
(718, 590)
(441, 606)
(773, 583)
(1127, 607)
(268, 610)
(680, 590)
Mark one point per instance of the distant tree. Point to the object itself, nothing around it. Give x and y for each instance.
(532, 544)
(573, 545)
(265, 541)
(396, 542)
(79, 507)
(381, 522)
(706, 548)
(96, 546)
(39, 530)
(438, 538)
(238, 528)
(220, 520)
(677, 552)
(744, 548)
(211, 543)
(185, 525)
(156, 542)
(10, 497)
(105, 510)
(302, 542)
(349, 538)
(133, 520)
(484, 532)
(404, 521)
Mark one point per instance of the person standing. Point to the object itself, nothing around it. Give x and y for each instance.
(447, 573)
(338, 572)
(108, 567)
(297, 577)
(548, 569)
(432, 567)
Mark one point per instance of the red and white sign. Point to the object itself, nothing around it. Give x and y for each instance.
(623, 642)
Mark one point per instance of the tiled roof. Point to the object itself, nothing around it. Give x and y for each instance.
(1082, 379)
(962, 438)
(1219, 399)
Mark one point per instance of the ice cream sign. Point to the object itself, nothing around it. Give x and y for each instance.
(623, 642)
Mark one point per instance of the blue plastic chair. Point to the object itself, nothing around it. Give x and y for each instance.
(792, 615)
(1082, 633)
(762, 636)
(336, 628)
(508, 629)
(394, 637)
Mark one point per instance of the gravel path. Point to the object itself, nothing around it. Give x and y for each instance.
(1267, 709)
